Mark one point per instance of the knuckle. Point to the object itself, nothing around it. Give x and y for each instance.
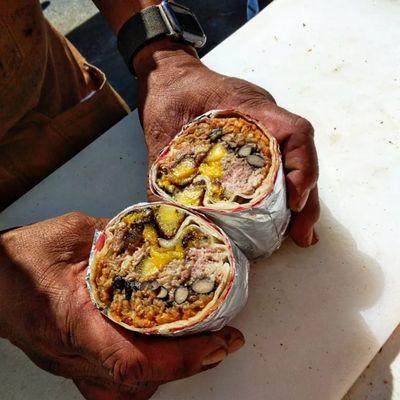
(304, 126)
(139, 367)
(311, 175)
(125, 366)
(76, 218)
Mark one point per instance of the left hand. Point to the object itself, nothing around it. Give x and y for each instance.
(45, 309)
(175, 87)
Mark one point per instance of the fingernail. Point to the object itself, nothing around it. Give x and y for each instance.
(235, 345)
(303, 200)
(234, 340)
(215, 357)
(315, 238)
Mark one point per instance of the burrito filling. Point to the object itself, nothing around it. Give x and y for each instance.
(159, 265)
(215, 160)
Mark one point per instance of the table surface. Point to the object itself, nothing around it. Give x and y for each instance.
(316, 317)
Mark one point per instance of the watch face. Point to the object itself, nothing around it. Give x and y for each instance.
(186, 20)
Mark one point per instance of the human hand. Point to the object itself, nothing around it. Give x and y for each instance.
(175, 87)
(45, 309)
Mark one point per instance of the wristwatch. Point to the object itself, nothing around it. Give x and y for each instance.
(167, 19)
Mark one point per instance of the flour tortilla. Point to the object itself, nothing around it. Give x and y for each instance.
(214, 315)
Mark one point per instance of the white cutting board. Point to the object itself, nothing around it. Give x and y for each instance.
(315, 317)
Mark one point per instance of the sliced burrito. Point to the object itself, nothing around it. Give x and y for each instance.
(161, 269)
(228, 166)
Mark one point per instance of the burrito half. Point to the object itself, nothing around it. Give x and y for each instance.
(161, 269)
(228, 166)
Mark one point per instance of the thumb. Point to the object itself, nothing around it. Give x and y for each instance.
(131, 358)
(98, 223)
(176, 358)
(296, 138)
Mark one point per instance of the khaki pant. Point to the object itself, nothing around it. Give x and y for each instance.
(44, 117)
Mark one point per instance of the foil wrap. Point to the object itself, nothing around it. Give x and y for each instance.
(257, 229)
(228, 305)
(261, 229)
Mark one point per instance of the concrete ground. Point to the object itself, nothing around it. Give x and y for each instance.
(80, 21)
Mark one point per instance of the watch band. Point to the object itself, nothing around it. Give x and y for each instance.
(140, 30)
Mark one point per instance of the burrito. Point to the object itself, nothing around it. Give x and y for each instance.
(161, 269)
(228, 166)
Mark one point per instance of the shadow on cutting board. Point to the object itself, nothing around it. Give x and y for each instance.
(305, 336)
(323, 289)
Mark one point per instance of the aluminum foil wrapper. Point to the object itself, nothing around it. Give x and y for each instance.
(234, 299)
(257, 230)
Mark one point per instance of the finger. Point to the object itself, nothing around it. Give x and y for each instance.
(129, 358)
(280, 122)
(95, 391)
(301, 166)
(99, 223)
(74, 232)
(172, 359)
(76, 219)
(296, 138)
(302, 223)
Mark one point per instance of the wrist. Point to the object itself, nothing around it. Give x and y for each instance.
(164, 55)
(117, 12)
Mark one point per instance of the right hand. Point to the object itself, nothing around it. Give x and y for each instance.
(45, 309)
(175, 87)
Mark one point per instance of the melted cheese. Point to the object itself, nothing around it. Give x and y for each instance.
(213, 169)
(212, 166)
(159, 257)
(217, 153)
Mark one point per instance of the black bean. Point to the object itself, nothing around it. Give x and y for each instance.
(119, 283)
(169, 303)
(130, 288)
